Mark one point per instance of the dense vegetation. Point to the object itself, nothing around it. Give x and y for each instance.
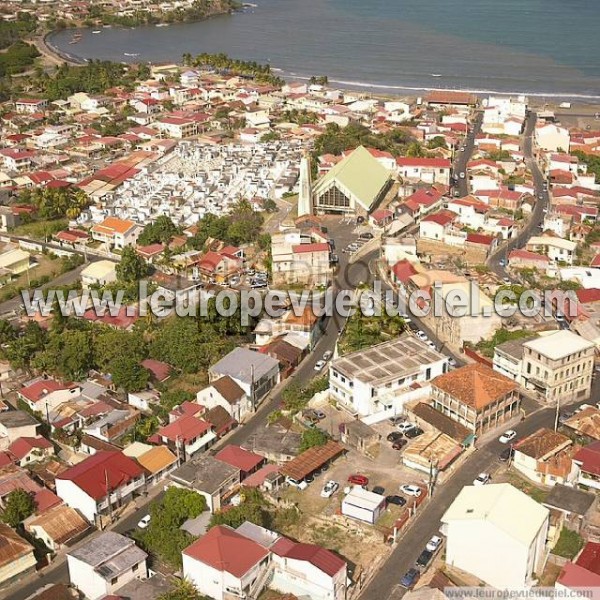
(363, 332)
(163, 536)
(231, 66)
(94, 77)
(18, 58)
(55, 203)
(336, 139)
(160, 231)
(241, 226)
(14, 31)
(199, 10)
(592, 161)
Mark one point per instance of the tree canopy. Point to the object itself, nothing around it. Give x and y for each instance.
(18, 506)
(161, 231)
(163, 536)
(131, 267)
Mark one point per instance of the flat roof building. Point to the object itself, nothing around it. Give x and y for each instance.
(373, 380)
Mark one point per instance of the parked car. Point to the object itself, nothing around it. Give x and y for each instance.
(319, 365)
(405, 426)
(319, 414)
(396, 420)
(507, 436)
(144, 522)
(394, 436)
(414, 432)
(434, 543)
(411, 490)
(327, 355)
(565, 416)
(502, 262)
(424, 559)
(301, 485)
(357, 479)
(482, 479)
(378, 490)
(506, 454)
(410, 579)
(399, 444)
(367, 235)
(309, 478)
(452, 362)
(394, 499)
(330, 488)
(422, 335)
(462, 175)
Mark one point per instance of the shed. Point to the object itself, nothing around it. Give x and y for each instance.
(363, 505)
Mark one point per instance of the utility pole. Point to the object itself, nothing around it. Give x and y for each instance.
(110, 512)
(252, 390)
(556, 417)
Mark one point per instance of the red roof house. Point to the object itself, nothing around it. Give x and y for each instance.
(224, 549)
(85, 486)
(244, 460)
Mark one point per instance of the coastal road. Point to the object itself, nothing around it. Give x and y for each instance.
(497, 261)
(427, 523)
(463, 157)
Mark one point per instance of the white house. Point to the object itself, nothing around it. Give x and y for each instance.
(223, 562)
(255, 373)
(375, 379)
(498, 534)
(429, 170)
(552, 138)
(555, 248)
(43, 395)
(86, 486)
(241, 562)
(116, 232)
(225, 392)
(104, 564)
(100, 273)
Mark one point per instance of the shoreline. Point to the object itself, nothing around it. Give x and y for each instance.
(53, 54)
(57, 56)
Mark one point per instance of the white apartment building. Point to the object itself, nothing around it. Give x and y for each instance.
(377, 379)
(498, 534)
(101, 566)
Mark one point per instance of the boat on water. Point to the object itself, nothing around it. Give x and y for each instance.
(96, 31)
(162, 25)
(130, 54)
(435, 75)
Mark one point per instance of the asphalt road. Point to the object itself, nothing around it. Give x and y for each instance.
(427, 523)
(463, 156)
(537, 216)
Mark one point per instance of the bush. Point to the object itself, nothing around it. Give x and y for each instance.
(569, 544)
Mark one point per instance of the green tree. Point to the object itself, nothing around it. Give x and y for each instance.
(183, 589)
(163, 535)
(7, 332)
(313, 437)
(112, 344)
(18, 506)
(128, 374)
(252, 508)
(131, 267)
(161, 231)
(68, 354)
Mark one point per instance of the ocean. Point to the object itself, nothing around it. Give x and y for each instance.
(548, 48)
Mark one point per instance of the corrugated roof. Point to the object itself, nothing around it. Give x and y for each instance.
(61, 523)
(310, 460)
(157, 459)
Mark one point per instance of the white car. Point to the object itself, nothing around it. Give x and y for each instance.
(482, 479)
(434, 543)
(507, 436)
(319, 365)
(422, 335)
(144, 522)
(405, 426)
(327, 355)
(462, 175)
(411, 490)
(330, 488)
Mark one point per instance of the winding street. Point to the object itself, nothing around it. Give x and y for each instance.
(500, 257)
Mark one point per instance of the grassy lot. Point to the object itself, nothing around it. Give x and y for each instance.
(537, 493)
(41, 230)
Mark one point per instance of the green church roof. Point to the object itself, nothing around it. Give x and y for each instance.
(360, 173)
